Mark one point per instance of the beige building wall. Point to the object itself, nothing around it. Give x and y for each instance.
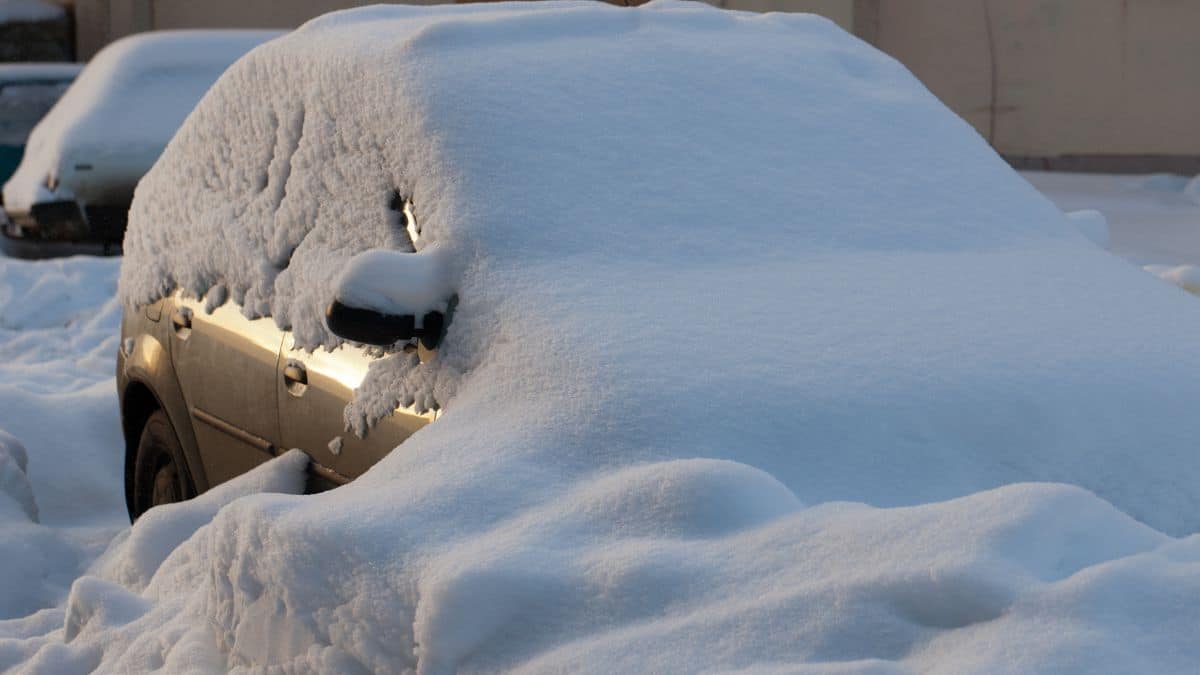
(1083, 83)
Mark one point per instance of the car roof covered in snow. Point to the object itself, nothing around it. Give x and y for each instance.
(123, 108)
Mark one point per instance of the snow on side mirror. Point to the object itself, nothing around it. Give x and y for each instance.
(387, 296)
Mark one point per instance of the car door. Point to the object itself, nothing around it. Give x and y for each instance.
(313, 390)
(226, 366)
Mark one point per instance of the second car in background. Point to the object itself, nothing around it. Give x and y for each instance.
(72, 190)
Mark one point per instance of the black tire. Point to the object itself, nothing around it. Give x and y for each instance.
(160, 474)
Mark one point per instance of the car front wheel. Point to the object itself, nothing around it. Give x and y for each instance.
(159, 475)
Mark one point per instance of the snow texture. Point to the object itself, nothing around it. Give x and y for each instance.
(60, 484)
(113, 122)
(1092, 224)
(397, 282)
(763, 362)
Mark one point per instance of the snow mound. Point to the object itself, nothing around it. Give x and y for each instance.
(60, 489)
(160, 531)
(1092, 224)
(14, 484)
(115, 119)
(1192, 189)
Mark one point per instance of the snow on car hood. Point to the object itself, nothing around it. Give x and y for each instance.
(711, 267)
(112, 123)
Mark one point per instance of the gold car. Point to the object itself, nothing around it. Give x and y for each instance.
(206, 396)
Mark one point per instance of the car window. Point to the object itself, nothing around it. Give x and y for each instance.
(22, 105)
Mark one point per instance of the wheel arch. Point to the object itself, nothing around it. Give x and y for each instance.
(139, 400)
(137, 404)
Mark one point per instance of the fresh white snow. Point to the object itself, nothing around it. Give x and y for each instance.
(397, 282)
(113, 122)
(758, 349)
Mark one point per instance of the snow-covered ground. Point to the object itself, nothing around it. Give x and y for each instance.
(1024, 578)
(1153, 221)
(634, 470)
(57, 339)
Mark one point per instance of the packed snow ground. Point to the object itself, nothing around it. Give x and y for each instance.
(1152, 220)
(630, 477)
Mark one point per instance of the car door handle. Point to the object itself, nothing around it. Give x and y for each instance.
(295, 377)
(182, 320)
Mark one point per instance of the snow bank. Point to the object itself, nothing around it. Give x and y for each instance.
(160, 531)
(1192, 190)
(111, 125)
(60, 498)
(711, 267)
(1092, 224)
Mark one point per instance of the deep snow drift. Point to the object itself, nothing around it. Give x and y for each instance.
(719, 275)
(60, 491)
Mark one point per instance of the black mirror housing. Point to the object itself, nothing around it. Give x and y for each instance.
(370, 327)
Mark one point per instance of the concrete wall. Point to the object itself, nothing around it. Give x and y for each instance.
(1077, 84)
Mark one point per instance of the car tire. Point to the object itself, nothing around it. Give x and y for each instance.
(160, 474)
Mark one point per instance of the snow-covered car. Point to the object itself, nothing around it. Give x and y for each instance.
(747, 341)
(74, 184)
(727, 203)
(27, 92)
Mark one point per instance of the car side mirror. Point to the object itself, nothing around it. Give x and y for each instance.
(386, 296)
(376, 328)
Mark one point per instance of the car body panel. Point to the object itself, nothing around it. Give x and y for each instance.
(225, 364)
(312, 416)
(144, 366)
(221, 379)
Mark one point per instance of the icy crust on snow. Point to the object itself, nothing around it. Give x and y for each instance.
(711, 267)
(111, 124)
